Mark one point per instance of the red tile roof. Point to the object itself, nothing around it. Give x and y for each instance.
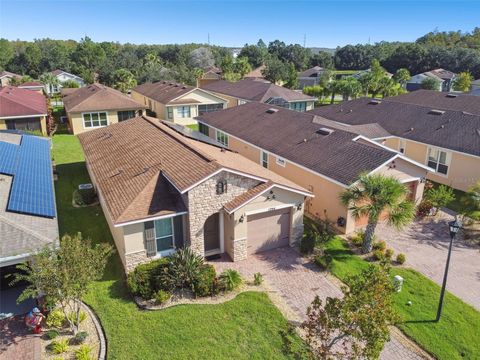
(15, 101)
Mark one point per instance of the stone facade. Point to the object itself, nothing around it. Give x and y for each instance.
(203, 201)
(239, 249)
(134, 259)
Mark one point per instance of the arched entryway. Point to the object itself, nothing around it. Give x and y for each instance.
(211, 234)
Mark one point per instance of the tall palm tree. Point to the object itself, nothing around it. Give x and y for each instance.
(374, 195)
(50, 81)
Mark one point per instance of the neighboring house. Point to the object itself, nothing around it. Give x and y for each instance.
(177, 103)
(96, 106)
(22, 109)
(212, 73)
(310, 77)
(312, 152)
(444, 77)
(439, 130)
(161, 190)
(33, 85)
(28, 214)
(248, 90)
(360, 73)
(255, 73)
(5, 77)
(475, 89)
(63, 76)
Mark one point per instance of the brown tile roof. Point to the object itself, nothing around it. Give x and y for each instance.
(131, 162)
(372, 131)
(163, 91)
(30, 83)
(256, 73)
(184, 101)
(246, 196)
(293, 136)
(440, 100)
(57, 72)
(442, 74)
(453, 130)
(255, 90)
(97, 97)
(9, 74)
(16, 101)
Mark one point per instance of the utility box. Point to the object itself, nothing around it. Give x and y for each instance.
(397, 283)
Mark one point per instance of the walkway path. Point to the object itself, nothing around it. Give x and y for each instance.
(297, 282)
(425, 244)
(16, 342)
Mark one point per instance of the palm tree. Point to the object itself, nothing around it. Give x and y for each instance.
(374, 195)
(50, 81)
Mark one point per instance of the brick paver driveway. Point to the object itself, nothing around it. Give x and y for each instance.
(17, 343)
(297, 282)
(425, 243)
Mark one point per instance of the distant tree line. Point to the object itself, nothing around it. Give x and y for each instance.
(124, 65)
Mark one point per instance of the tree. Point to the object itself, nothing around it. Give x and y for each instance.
(6, 53)
(88, 57)
(256, 55)
(124, 80)
(355, 326)
(349, 88)
(63, 275)
(201, 58)
(50, 81)
(15, 81)
(440, 196)
(333, 88)
(375, 196)
(71, 84)
(291, 81)
(402, 76)
(463, 81)
(471, 202)
(275, 70)
(430, 84)
(388, 87)
(323, 59)
(241, 66)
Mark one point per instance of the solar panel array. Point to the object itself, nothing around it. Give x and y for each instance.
(32, 188)
(8, 157)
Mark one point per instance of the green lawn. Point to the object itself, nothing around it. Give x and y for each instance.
(456, 333)
(247, 327)
(193, 127)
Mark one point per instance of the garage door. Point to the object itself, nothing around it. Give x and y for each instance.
(268, 230)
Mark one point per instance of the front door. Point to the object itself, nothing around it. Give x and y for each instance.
(211, 233)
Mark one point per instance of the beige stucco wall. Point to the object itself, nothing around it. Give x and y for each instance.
(76, 120)
(3, 126)
(43, 124)
(463, 171)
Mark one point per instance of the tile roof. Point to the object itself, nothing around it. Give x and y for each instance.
(440, 100)
(163, 91)
(57, 72)
(442, 73)
(256, 73)
(131, 162)
(30, 83)
(293, 136)
(455, 130)
(9, 74)
(255, 90)
(97, 97)
(16, 101)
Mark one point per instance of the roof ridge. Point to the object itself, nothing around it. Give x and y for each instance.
(88, 97)
(428, 107)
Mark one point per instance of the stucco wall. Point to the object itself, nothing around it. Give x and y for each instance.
(76, 120)
(43, 124)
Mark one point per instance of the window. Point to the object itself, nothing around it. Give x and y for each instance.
(222, 138)
(298, 106)
(265, 159)
(278, 101)
(169, 113)
(401, 146)
(164, 234)
(92, 120)
(183, 111)
(281, 161)
(125, 115)
(438, 160)
(202, 109)
(203, 129)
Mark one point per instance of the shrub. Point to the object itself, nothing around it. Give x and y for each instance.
(389, 254)
(56, 319)
(84, 197)
(142, 281)
(183, 269)
(58, 347)
(162, 296)
(230, 279)
(308, 243)
(316, 234)
(380, 245)
(401, 258)
(79, 338)
(51, 334)
(83, 353)
(357, 238)
(72, 316)
(205, 282)
(324, 261)
(378, 255)
(257, 279)
(440, 196)
(424, 208)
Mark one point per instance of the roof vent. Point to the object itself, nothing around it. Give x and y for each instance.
(375, 101)
(324, 131)
(271, 111)
(450, 95)
(436, 112)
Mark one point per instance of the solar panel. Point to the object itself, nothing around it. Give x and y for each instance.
(8, 157)
(32, 188)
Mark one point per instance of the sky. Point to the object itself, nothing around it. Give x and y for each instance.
(235, 23)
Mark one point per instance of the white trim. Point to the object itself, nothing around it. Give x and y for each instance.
(448, 159)
(22, 116)
(200, 89)
(375, 143)
(239, 239)
(275, 208)
(410, 180)
(135, 252)
(226, 135)
(12, 260)
(294, 163)
(163, 253)
(396, 157)
(150, 219)
(91, 120)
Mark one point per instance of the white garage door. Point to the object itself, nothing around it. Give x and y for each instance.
(268, 230)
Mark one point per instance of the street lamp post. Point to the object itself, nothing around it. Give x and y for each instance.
(453, 226)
